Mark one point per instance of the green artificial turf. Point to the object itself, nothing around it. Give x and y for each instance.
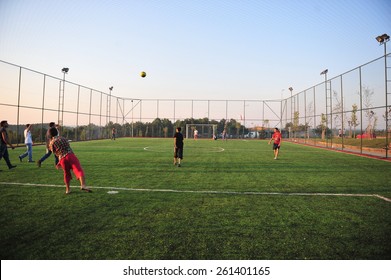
(228, 200)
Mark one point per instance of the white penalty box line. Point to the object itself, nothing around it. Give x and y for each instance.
(209, 192)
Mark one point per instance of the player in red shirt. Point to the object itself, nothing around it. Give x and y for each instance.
(277, 138)
(67, 160)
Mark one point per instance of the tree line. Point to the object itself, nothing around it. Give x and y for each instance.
(157, 128)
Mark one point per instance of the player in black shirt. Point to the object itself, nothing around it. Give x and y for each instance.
(178, 147)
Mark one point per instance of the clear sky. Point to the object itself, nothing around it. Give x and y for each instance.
(211, 49)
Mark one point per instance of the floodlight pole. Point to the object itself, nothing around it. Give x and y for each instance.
(109, 103)
(132, 118)
(325, 90)
(61, 98)
(290, 132)
(108, 112)
(386, 91)
(383, 39)
(281, 108)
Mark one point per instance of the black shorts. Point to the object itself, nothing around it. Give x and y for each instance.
(276, 146)
(178, 152)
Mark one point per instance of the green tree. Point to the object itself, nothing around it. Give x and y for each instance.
(138, 128)
(367, 95)
(353, 119)
(295, 127)
(156, 126)
(238, 126)
(167, 127)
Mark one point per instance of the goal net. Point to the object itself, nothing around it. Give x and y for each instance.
(202, 131)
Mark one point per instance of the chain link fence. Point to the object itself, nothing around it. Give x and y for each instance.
(349, 112)
(83, 113)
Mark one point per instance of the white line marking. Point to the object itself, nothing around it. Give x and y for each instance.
(112, 192)
(208, 192)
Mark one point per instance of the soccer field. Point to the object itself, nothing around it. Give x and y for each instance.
(229, 200)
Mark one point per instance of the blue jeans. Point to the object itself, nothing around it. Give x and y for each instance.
(4, 154)
(29, 152)
(48, 153)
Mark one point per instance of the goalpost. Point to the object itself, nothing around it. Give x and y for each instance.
(205, 131)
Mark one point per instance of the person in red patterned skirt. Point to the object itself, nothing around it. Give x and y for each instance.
(277, 142)
(67, 160)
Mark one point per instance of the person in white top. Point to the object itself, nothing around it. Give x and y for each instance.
(195, 134)
(28, 140)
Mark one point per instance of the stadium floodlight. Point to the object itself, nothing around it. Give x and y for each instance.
(64, 70)
(109, 104)
(383, 38)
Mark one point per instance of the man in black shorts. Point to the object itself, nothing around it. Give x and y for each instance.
(178, 147)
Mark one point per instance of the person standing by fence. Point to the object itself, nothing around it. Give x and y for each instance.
(113, 133)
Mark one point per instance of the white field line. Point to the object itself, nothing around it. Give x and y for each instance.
(208, 192)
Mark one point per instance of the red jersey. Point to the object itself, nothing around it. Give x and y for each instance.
(277, 137)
